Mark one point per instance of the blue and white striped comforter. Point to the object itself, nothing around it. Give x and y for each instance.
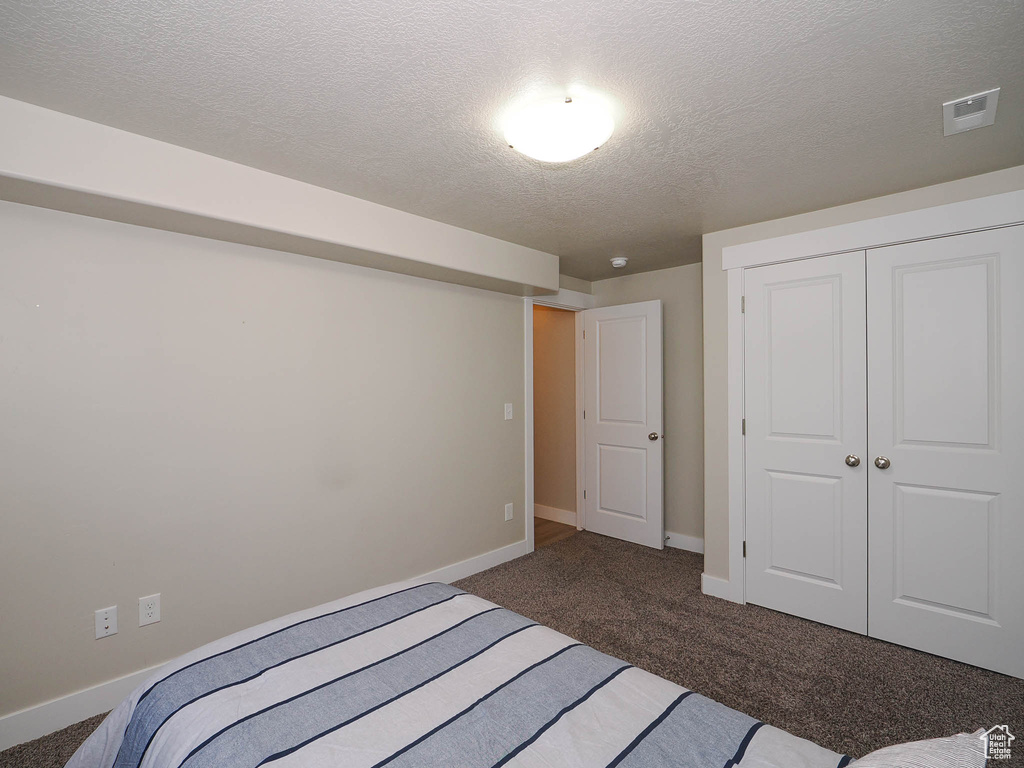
(423, 674)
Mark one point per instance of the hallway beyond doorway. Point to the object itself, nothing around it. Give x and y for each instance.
(547, 532)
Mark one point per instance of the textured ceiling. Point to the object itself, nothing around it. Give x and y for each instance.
(732, 111)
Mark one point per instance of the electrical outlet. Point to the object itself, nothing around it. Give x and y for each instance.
(508, 411)
(149, 610)
(106, 622)
(508, 512)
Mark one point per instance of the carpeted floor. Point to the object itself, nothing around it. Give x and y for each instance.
(847, 692)
(51, 751)
(850, 693)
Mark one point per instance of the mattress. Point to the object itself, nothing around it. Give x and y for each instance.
(423, 674)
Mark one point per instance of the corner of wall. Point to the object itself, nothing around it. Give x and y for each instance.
(575, 284)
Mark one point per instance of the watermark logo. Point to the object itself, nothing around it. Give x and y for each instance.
(997, 742)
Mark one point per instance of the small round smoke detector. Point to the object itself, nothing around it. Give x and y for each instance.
(619, 262)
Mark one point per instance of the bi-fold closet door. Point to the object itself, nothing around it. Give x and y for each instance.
(884, 406)
(806, 389)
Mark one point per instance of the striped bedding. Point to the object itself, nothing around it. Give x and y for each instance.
(423, 674)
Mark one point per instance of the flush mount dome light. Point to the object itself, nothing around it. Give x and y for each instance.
(559, 129)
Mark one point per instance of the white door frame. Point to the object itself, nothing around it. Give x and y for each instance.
(574, 301)
(991, 212)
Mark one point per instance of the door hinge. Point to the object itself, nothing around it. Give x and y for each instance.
(584, 493)
(743, 304)
(743, 426)
(744, 549)
(584, 334)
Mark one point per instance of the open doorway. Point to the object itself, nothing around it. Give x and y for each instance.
(554, 419)
(572, 346)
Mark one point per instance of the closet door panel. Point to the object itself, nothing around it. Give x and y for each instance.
(804, 349)
(946, 410)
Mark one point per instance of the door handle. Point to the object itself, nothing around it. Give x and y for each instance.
(654, 436)
(882, 463)
(852, 460)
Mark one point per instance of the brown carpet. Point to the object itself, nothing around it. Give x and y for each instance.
(51, 751)
(844, 691)
(847, 692)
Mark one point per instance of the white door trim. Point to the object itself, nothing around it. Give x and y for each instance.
(1002, 210)
(989, 212)
(581, 452)
(576, 302)
(737, 470)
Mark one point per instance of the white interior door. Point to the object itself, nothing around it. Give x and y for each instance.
(946, 388)
(806, 516)
(622, 375)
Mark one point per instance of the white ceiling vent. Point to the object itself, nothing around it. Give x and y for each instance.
(975, 111)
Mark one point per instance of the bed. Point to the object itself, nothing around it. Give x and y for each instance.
(423, 674)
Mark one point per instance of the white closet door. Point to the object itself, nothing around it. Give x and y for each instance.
(622, 396)
(946, 405)
(806, 517)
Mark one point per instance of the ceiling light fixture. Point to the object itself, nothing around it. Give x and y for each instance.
(619, 262)
(560, 128)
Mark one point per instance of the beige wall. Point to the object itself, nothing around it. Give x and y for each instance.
(716, 478)
(554, 407)
(246, 432)
(574, 284)
(59, 161)
(679, 288)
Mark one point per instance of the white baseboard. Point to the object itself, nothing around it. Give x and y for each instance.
(31, 723)
(554, 513)
(19, 727)
(461, 570)
(682, 541)
(723, 588)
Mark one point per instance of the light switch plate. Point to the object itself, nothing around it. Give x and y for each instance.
(508, 512)
(508, 411)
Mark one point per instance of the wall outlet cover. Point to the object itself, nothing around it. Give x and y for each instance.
(149, 610)
(508, 512)
(106, 622)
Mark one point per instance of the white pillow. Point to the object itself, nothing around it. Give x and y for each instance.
(965, 750)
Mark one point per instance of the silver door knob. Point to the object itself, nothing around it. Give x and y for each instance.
(852, 461)
(652, 436)
(882, 463)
